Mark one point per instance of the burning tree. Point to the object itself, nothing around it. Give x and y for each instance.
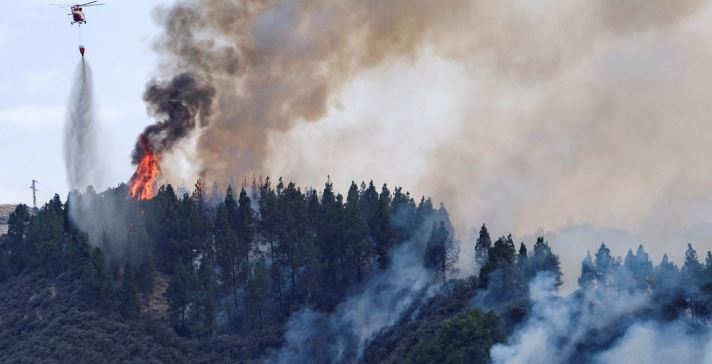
(179, 106)
(143, 181)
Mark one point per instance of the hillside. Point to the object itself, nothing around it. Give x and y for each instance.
(5, 211)
(319, 278)
(48, 320)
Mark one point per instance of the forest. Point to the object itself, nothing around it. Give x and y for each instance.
(277, 273)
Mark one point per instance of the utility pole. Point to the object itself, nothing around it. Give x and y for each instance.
(34, 196)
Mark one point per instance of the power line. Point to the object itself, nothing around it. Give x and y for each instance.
(34, 195)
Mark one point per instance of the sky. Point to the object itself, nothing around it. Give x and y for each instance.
(39, 51)
(585, 122)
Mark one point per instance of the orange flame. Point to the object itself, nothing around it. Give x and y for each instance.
(143, 181)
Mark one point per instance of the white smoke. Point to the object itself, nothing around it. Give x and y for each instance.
(557, 325)
(651, 343)
(343, 335)
(566, 329)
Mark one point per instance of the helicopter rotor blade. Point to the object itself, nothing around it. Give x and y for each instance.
(89, 3)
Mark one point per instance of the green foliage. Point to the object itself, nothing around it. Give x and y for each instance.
(357, 249)
(402, 215)
(441, 252)
(44, 238)
(97, 282)
(542, 260)
(300, 248)
(465, 339)
(258, 293)
(17, 223)
(483, 243)
(178, 296)
(501, 257)
(127, 302)
(203, 321)
(382, 229)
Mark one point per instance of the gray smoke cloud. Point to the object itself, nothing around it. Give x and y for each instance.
(81, 155)
(276, 63)
(538, 115)
(537, 96)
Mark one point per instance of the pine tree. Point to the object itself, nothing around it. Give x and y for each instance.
(308, 258)
(165, 228)
(692, 267)
(17, 223)
(482, 247)
(637, 270)
(666, 289)
(329, 237)
(128, 294)
(500, 274)
(245, 229)
(588, 272)
(313, 211)
(204, 322)
(178, 296)
(424, 211)
(226, 246)
(291, 229)
(693, 276)
(259, 290)
(17, 226)
(523, 263)
(544, 260)
(139, 251)
(381, 228)
(356, 247)
(606, 266)
(268, 230)
(402, 215)
(44, 236)
(98, 284)
(369, 201)
(441, 253)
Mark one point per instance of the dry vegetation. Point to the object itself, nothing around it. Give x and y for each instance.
(5, 211)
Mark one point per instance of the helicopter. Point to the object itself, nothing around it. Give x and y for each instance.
(77, 13)
(78, 17)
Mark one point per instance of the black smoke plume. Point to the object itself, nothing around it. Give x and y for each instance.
(179, 105)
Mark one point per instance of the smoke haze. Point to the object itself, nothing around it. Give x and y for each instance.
(376, 304)
(603, 324)
(517, 114)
